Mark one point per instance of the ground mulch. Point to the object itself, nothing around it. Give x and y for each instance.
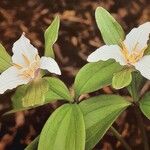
(78, 37)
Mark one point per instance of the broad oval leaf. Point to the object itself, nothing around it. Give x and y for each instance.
(145, 105)
(35, 93)
(94, 76)
(111, 30)
(51, 35)
(99, 114)
(122, 79)
(64, 130)
(5, 59)
(17, 97)
(33, 145)
(57, 89)
(51, 89)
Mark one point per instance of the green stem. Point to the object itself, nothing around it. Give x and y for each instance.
(133, 88)
(135, 95)
(142, 128)
(120, 138)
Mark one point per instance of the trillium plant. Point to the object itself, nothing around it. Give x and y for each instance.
(129, 52)
(26, 66)
(82, 120)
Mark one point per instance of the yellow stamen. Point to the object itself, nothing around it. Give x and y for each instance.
(17, 66)
(25, 76)
(135, 46)
(37, 58)
(26, 60)
(134, 56)
(124, 50)
(30, 70)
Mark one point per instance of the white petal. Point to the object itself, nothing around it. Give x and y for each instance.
(143, 65)
(22, 48)
(50, 64)
(107, 52)
(138, 37)
(10, 79)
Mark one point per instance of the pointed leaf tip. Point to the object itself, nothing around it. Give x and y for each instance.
(5, 59)
(110, 29)
(51, 35)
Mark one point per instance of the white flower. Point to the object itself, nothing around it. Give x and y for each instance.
(26, 65)
(129, 52)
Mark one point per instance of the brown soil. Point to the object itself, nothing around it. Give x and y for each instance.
(78, 37)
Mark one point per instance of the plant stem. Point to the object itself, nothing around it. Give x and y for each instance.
(141, 126)
(132, 88)
(135, 96)
(120, 138)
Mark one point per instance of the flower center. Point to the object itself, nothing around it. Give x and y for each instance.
(132, 57)
(32, 70)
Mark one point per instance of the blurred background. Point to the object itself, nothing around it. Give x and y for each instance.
(78, 37)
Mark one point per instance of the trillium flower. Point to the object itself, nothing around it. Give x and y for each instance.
(130, 52)
(26, 65)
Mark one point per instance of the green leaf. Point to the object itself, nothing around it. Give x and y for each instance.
(111, 30)
(29, 96)
(145, 105)
(33, 145)
(35, 94)
(51, 35)
(64, 130)
(18, 96)
(94, 76)
(5, 59)
(137, 83)
(122, 79)
(17, 100)
(99, 114)
(57, 89)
